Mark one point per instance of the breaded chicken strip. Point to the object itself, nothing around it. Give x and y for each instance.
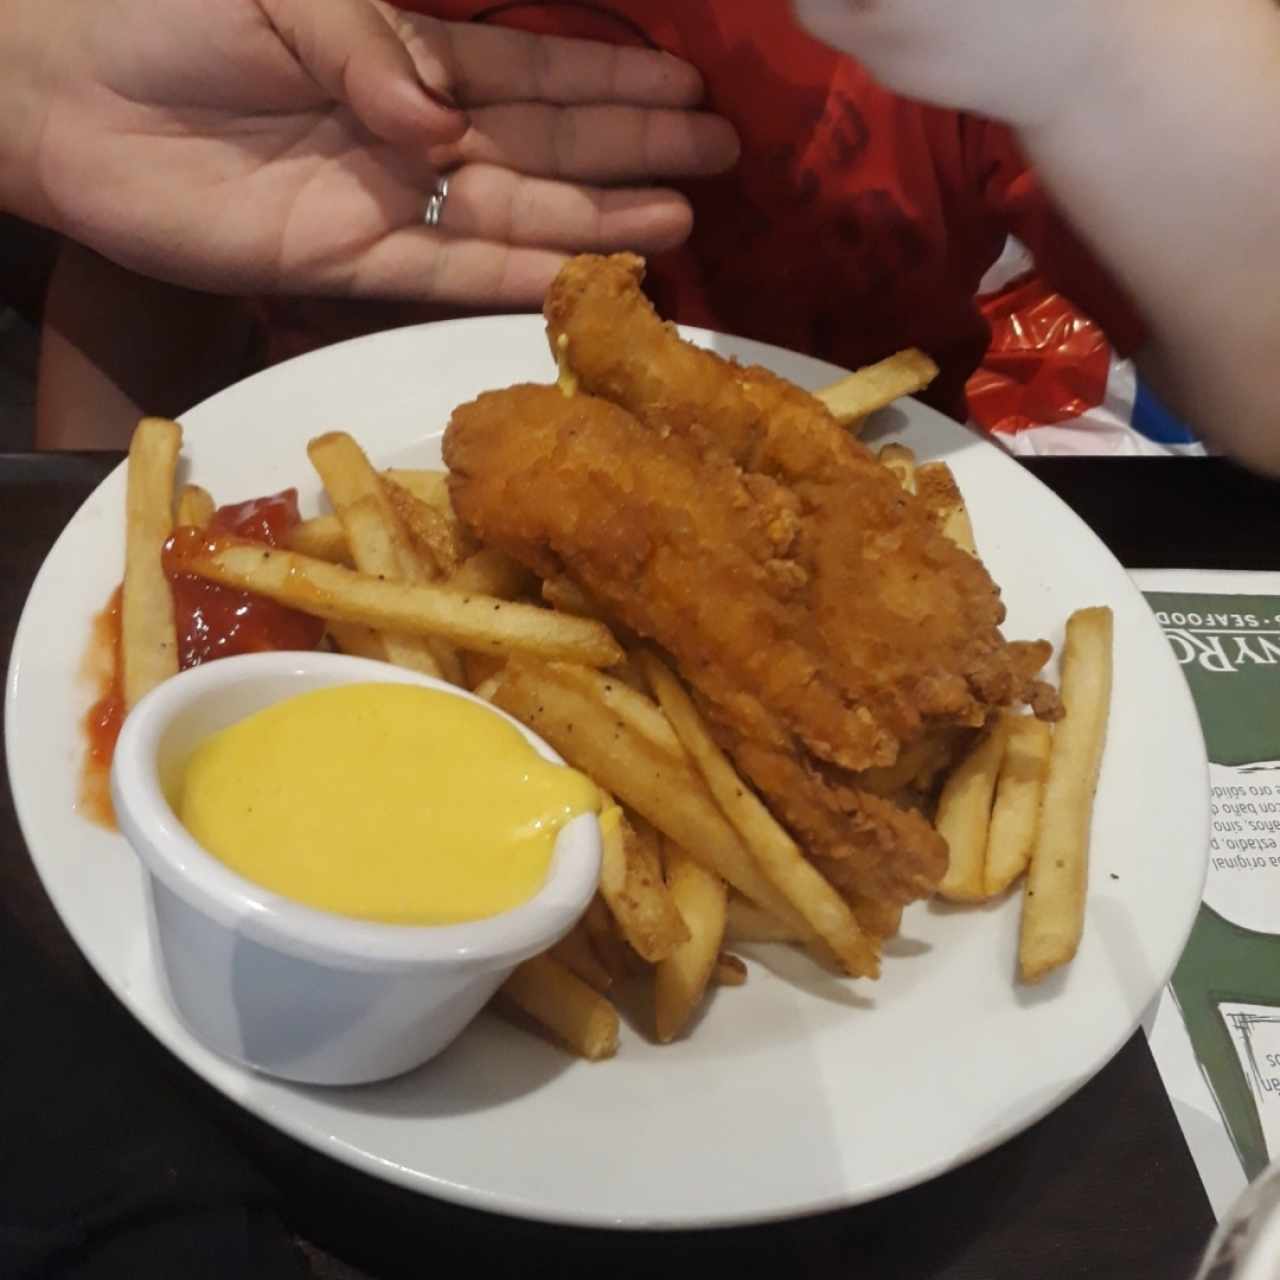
(910, 622)
(688, 551)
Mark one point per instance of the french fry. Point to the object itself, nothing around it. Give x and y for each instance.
(1057, 880)
(575, 952)
(564, 1006)
(856, 396)
(431, 487)
(1016, 811)
(633, 708)
(938, 490)
(491, 573)
(902, 462)
(488, 687)
(484, 572)
(379, 543)
(195, 507)
(374, 551)
(601, 929)
(349, 477)
(357, 640)
(748, 923)
(680, 981)
(964, 816)
(564, 594)
(730, 970)
(775, 852)
(632, 886)
(149, 638)
(475, 622)
(322, 538)
(478, 667)
(441, 538)
(665, 789)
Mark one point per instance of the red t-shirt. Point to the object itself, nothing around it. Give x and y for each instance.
(855, 224)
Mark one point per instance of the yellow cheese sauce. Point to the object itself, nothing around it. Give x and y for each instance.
(388, 802)
(566, 379)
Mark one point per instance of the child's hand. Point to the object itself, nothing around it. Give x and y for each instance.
(249, 146)
(1015, 60)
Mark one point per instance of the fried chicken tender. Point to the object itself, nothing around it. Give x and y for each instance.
(842, 649)
(911, 621)
(683, 549)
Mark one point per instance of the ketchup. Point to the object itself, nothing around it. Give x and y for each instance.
(103, 720)
(214, 621)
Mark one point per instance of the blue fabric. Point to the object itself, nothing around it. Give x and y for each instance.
(1152, 419)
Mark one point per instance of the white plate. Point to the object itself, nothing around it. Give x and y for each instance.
(797, 1092)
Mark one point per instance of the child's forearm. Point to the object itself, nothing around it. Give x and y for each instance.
(1156, 124)
(1171, 169)
(115, 346)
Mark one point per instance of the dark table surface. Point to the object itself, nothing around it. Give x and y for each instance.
(1104, 1187)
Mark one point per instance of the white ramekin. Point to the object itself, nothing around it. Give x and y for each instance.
(290, 990)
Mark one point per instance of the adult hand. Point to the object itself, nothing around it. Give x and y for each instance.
(261, 145)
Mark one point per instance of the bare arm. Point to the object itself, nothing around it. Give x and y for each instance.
(1156, 125)
(115, 346)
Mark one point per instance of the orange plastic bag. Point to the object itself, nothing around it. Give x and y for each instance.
(1047, 361)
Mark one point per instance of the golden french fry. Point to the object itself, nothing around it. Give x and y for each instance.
(632, 886)
(479, 667)
(858, 395)
(938, 490)
(575, 952)
(359, 641)
(775, 852)
(380, 545)
(615, 957)
(1057, 880)
(488, 687)
(964, 816)
(491, 573)
(475, 622)
(148, 636)
(730, 970)
(322, 538)
(439, 537)
(959, 528)
(564, 594)
(748, 923)
(680, 981)
(431, 487)
(1016, 811)
(902, 462)
(195, 507)
(555, 701)
(629, 705)
(564, 1006)
(373, 549)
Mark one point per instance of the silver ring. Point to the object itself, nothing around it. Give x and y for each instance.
(434, 210)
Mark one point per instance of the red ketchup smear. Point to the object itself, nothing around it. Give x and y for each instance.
(214, 621)
(103, 720)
